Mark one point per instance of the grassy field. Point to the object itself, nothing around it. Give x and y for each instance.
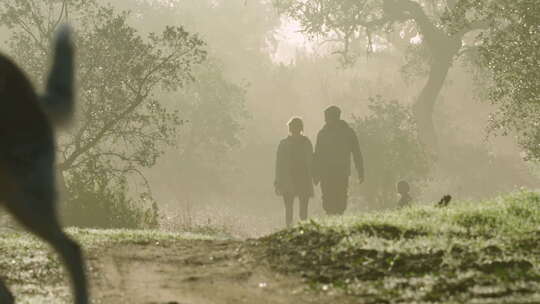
(473, 252)
(469, 252)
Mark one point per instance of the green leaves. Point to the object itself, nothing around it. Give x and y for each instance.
(510, 52)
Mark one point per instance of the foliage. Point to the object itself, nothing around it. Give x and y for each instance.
(416, 63)
(468, 252)
(515, 39)
(388, 137)
(216, 108)
(203, 164)
(122, 127)
(98, 203)
(377, 21)
(338, 21)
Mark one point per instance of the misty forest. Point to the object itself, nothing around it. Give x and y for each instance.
(285, 151)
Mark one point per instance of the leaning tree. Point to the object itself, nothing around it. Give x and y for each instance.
(442, 26)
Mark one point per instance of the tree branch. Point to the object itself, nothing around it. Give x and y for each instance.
(26, 29)
(407, 9)
(139, 99)
(36, 18)
(62, 12)
(93, 142)
(476, 25)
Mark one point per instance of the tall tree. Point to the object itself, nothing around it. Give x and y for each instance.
(442, 25)
(206, 161)
(216, 109)
(121, 126)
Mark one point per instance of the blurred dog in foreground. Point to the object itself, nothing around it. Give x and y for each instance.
(27, 155)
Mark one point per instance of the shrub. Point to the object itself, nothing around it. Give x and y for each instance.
(101, 204)
(388, 138)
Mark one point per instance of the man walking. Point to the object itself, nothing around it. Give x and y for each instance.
(336, 142)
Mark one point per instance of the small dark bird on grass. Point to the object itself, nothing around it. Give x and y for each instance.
(445, 200)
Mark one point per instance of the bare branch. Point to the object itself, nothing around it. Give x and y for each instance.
(60, 15)
(26, 29)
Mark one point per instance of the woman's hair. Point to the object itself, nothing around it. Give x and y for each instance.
(296, 123)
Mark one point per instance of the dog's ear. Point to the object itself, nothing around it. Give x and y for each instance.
(58, 100)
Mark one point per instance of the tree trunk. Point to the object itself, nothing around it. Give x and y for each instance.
(443, 48)
(442, 58)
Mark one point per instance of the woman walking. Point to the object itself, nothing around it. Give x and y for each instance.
(293, 170)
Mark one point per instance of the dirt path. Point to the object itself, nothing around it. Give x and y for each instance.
(192, 272)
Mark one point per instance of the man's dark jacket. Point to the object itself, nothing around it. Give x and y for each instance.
(335, 143)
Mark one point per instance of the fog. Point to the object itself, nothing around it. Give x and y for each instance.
(219, 169)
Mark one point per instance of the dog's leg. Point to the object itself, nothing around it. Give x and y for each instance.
(30, 196)
(5, 296)
(42, 222)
